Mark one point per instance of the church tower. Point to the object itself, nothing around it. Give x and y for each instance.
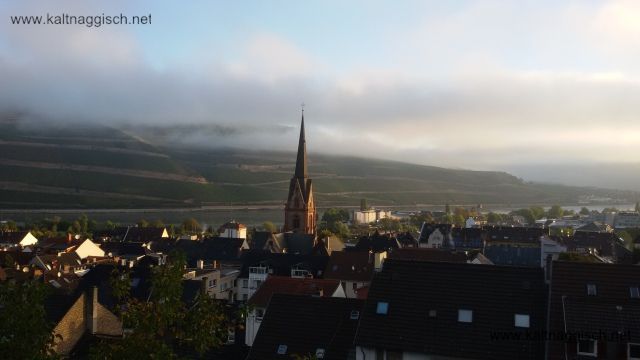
(300, 210)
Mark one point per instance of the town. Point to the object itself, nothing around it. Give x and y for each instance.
(460, 283)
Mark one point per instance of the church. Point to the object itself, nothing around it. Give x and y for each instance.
(300, 210)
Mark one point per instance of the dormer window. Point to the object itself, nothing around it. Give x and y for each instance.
(588, 347)
(282, 349)
(521, 320)
(634, 292)
(382, 308)
(591, 290)
(355, 315)
(320, 353)
(465, 316)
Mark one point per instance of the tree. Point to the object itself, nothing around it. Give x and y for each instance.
(363, 205)
(638, 206)
(191, 226)
(419, 219)
(155, 327)
(555, 212)
(447, 209)
(335, 214)
(584, 211)
(142, 223)
(494, 218)
(26, 334)
(388, 224)
(269, 226)
(158, 224)
(538, 212)
(527, 214)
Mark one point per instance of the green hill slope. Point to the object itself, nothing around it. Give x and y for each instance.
(101, 167)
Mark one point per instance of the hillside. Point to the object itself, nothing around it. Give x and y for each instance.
(101, 167)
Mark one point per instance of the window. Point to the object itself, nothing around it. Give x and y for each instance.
(588, 347)
(635, 293)
(259, 314)
(591, 289)
(320, 353)
(245, 283)
(355, 315)
(394, 355)
(354, 286)
(212, 283)
(282, 349)
(382, 308)
(379, 354)
(465, 316)
(521, 320)
(433, 313)
(633, 351)
(245, 297)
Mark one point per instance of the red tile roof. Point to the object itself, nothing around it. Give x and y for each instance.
(292, 286)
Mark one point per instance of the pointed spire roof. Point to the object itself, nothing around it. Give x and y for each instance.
(301, 162)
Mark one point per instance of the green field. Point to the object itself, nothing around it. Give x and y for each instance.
(52, 172)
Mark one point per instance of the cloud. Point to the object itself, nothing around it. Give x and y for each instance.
(486, 85)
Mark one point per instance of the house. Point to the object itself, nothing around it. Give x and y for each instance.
(595, 226)
(318, 327)
(436, 236)
(354, 269)
(218, 281)
(285, 285)
(288, 242)
(627, 219)
(467, 238)
(233, 230)
(89, 249)
(85, 315)
(439, 310)
(377, 243)
(594, 311)
(368, 216)
(12, 239)
(514, 245)
(257, 265)
(427, 254)
(607, 247)
(133, 234)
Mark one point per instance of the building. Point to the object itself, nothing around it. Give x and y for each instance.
(354, 269)
(233, 230)
(439, 310)
(593, 311)
(627, 219)
(12, 239)
(308, 327)
(436, 236)
(300, 210)
(369, 216)
(285, 285)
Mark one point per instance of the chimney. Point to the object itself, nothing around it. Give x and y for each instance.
(547, 268)
(200, 264)
(203, 285)
(94, 311)
(215, 264)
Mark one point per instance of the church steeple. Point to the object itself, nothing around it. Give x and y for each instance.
(300, 210)
(301, 162)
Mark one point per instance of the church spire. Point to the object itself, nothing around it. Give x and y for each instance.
(301, 162)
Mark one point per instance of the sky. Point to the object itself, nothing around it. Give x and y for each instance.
(461, 84)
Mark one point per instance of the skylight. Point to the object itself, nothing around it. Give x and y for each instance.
(465, 316)
(382, 308)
